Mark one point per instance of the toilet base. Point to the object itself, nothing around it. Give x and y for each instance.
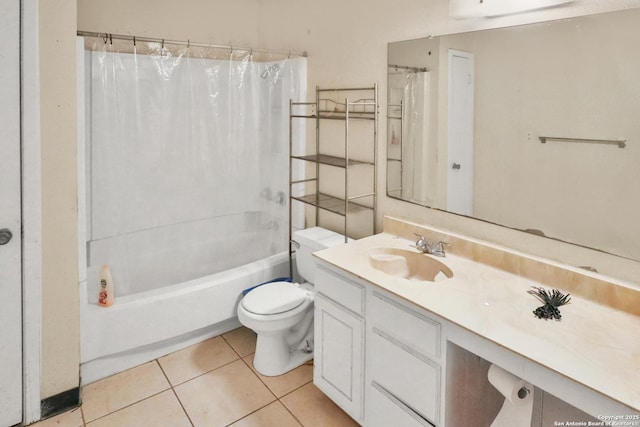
(274, 356)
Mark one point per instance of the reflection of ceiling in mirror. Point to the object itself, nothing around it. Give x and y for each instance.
(575, 192)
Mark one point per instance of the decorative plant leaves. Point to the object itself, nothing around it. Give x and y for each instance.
(552, 300)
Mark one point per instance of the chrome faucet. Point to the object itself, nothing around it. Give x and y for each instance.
(430, 248)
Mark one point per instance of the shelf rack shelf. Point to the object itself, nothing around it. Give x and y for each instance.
(333, 204)
(347, 105)
(325, 159)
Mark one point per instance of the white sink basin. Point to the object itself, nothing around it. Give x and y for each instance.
(408, 265)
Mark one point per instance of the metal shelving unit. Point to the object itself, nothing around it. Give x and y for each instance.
(347, 105)
(395, 113)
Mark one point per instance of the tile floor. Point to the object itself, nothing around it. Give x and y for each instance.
(210, 384)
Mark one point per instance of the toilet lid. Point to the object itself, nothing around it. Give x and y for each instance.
(274, 298)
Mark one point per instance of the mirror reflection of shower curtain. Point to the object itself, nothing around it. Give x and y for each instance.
(418, 152)
(187, 161)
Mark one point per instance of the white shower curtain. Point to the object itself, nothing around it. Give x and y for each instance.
(187, 167)
(411, 142)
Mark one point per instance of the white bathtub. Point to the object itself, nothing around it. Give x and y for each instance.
(147, 325)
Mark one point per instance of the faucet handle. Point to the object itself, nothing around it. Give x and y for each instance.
(438, 248)
(421, 244)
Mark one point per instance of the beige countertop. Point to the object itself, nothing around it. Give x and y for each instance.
(594, 345)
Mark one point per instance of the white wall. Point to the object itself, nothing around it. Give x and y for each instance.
(574, 192)
(60, 311)
(347, 44)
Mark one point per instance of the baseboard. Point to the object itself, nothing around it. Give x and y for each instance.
(60, 403)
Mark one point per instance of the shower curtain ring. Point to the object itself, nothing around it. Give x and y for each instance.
(134, 41)
(105, 38)
(188, 43)
(111, 39)
(162, 44)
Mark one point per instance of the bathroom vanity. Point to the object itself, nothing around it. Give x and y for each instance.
(392, 351)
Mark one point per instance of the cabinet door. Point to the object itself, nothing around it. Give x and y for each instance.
(339, 355)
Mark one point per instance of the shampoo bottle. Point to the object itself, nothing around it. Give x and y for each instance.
(105, 295)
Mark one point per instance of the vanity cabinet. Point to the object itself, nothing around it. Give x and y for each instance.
(429, 347)
(339, 329)
(404, 363)
(400, 383)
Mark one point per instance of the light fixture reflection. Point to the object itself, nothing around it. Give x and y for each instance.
(464, 9)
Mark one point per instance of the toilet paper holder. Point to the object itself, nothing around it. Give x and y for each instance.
(517, 408)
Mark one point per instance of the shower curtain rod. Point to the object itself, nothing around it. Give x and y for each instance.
(409, 68)
(108, 37)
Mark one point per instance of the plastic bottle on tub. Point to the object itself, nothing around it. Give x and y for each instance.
(105, 294)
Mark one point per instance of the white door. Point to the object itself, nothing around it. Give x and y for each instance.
(10, 222)
(460, 143)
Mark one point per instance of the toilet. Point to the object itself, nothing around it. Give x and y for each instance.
(281, 313)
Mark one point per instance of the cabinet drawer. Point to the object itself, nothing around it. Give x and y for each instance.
(404, 324)
(413, 379)
(348, 293)
(384, 410)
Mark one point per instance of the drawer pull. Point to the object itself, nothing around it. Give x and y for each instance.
(409, 410)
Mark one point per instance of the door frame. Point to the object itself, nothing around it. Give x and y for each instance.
(31, 210)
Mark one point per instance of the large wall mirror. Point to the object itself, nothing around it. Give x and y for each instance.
(534, 127)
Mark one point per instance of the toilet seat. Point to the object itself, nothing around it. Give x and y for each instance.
(274, 298)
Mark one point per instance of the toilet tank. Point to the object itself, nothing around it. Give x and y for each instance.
(311, 240)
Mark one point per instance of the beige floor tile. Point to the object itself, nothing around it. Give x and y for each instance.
(224, 395)
(123, 389)
(286, 383)
(158, 411)
(271, 415)
(243, 340)
(72, 418)
(197, 359)
(313, 409)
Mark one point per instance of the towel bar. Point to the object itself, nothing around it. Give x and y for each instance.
(621, 143)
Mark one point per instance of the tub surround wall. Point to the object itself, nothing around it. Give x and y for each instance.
(595, 345)
(152, 264)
